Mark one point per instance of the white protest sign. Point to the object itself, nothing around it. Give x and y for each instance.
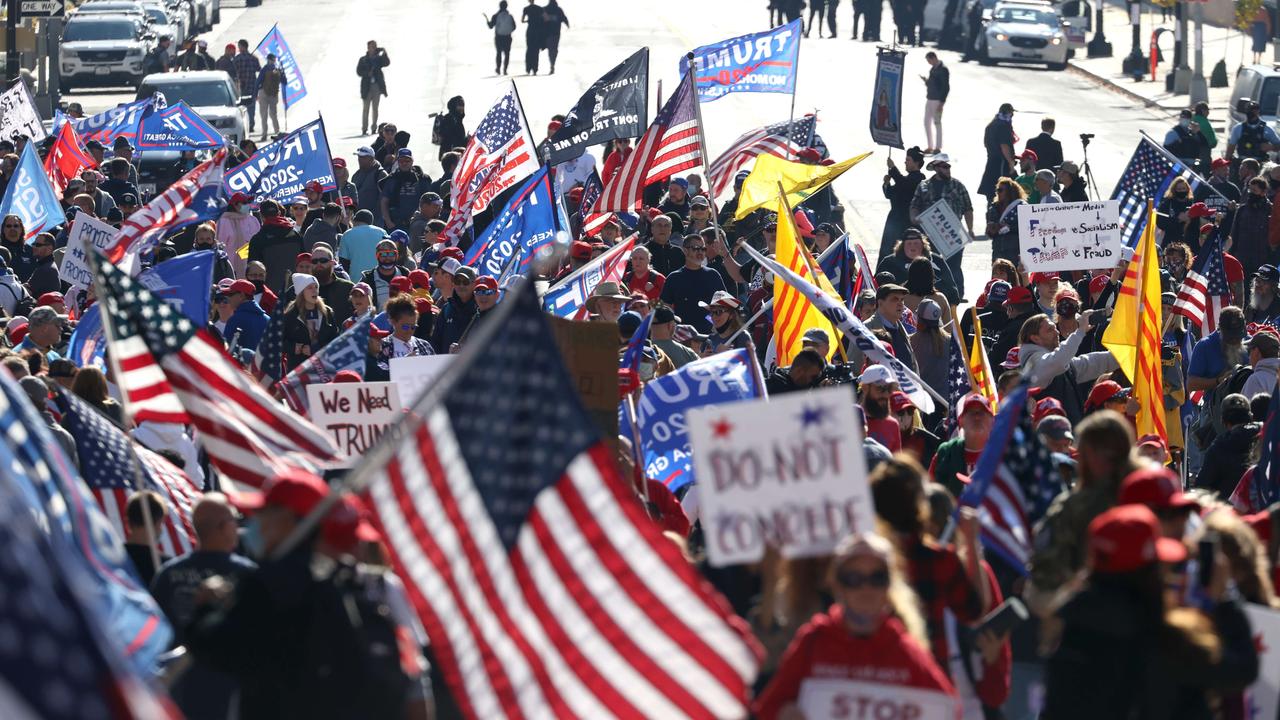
(18, 114)
(415, 374)
(1262, 699)
(85, 232)
(787, 472)
(1069, 236)
(871, 700)
(355, 415)
(946, 233)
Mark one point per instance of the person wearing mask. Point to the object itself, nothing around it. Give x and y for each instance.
(937, 87)
(380, 276)
(899, 188)
(1126, 649)
(1174, 214)
(256, 273)
(450, 132)
(1057, 365)
(458, 309)
(1253, 138)
(1250, 228)
(1234, 451)
(939, 187)
(236, 227)
(1185, 140)
(874, 630)
(690, 287)
(373, 84)
(359, 247)
(248, 320)
(206, 239)
(277, 244)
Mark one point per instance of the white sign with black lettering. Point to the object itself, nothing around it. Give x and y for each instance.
(355, 415)
(1070, 236)
(417, 373)
(942, 225)
(788, 472)
(870, 700)
(43, 8)
(86, 232)
(18, 114)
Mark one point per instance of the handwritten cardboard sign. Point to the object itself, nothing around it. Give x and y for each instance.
(870, 700)
(942, 225)
(354, 414)
(86, 232)
(787, 472)
(1070, 236)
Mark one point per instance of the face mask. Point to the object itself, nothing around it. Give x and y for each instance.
(1185, 123)
(259, 285)
(251, 539)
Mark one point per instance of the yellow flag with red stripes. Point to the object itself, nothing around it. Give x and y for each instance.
(1133, 337)
(980, 374)
(793, 314)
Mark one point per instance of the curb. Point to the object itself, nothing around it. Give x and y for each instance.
(1116, 87)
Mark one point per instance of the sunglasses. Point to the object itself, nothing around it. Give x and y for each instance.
(12, 226)
(486, 292)
(42, 244)
(462, 281)
(321, 260)
(854, 580)
(719, 311)
(696, 248)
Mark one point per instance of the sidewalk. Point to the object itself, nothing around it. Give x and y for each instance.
(1219, 43)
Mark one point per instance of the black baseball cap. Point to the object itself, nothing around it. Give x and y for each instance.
(1007, 108)
(665, 314)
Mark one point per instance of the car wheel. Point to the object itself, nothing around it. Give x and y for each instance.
(984, 56)
(1058, 66)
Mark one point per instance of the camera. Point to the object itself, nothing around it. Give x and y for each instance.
(1085, 138)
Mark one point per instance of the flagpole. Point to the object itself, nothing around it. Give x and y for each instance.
(126, 414)
(764, 306)
(702, 135)
(638, 454)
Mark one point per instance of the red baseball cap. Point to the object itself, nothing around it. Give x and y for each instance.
(1154, 440)
(401, 283)
(1158, 488)
(1127, 538)
(424, 306)
(302, 256)
(297, 491)
(1219, 162)
(809, 155)
(1039, 277)
(347, 376)
(315, 186)
(50, 298)
(420, 279)
(1101, 393)
(580, 250)
(900, 401)
(377, 332)
(17, 331)
(485, 281)
(339, 162)
(243, 287)
(1045, 408)
(1098, 284)
(1200, 210)
(1012, 359)
(453, 252)
(972, 400)
(239, 199)
(1029, 155)
(347, 525)
(1018, 295)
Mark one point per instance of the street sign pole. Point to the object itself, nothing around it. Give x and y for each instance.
(11, 40)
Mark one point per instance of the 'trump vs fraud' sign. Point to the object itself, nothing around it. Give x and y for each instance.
(1070, 236)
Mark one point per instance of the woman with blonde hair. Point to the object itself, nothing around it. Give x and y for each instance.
(874, 630)
(309, 324)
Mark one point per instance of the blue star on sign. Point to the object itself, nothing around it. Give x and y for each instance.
(812, 416)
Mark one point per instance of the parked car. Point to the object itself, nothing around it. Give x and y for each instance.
(163, 24)
(1260, 83)
(102, 50)
(209, 92)
(1024, 32)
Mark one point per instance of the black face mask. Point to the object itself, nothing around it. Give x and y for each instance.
(204, 247)
(259, 285)
(1256, 199)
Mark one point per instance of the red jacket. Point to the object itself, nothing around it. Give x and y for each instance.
(651, 284)
(824, 648)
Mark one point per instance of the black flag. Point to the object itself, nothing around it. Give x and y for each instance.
(615, 106)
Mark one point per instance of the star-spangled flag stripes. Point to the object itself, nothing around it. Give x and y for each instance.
(499, 155)
(1147, 176)
(784, 140)
(958, 384)
(248, 435)
(669, 146)
(269, 356)
(1204, 291)
(544, 587)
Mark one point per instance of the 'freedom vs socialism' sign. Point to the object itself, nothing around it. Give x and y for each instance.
(787, 472)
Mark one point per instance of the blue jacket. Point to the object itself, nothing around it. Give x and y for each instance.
(250, 321)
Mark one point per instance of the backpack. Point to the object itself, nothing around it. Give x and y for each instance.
(437, 129)
(1209, 422)
(354, 647)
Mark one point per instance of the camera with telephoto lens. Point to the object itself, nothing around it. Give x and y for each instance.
(839, 373)
(1085, 138)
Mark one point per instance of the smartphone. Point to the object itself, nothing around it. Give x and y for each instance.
(1207, 554)
(1008, 615)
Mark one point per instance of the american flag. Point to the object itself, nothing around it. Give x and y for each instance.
(568, 298)
(66, 159)
(1204, 292)
(1263, 488)
(544, 587)
(269, 357)
(109, 467)
(195, 197)
(345, 352)
(592, 223)
(838, 263)
(958, 384)
(629, 367)
(249, 436)
(1150, 172)
(784, 140)
(1014, 482)
(669, 146)
(499, 155)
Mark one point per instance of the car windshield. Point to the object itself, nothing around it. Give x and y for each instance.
(1026, 15)
(99, 30)
(1269, 103)
(195, 94)
(158, 16)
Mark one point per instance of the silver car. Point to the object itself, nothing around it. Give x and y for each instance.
(102, 50)
(1024, 32)
(209, 92)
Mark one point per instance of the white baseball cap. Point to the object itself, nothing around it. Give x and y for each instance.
(364, 151)
(876, 375)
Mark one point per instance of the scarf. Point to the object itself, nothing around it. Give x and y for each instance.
(1008, 118)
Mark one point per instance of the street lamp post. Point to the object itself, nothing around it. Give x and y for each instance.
(1198, 89)
(1181, 71)
(12, 10)
(1098, 46)
(1135, 63)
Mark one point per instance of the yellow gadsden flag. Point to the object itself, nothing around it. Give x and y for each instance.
(799, 180)
(793, 314)
(1133, 337)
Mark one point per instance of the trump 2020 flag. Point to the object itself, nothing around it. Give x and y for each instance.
(280, 171)
(122, 120)
(615, 106)
(31, 197)
(759, 62)
(886, 103)
(527, 223)
(274, 43)
(568, 298)
(179, 128)
(195, 197)
(499, 155)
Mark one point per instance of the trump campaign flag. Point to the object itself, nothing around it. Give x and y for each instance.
(660, 410)
(122, 120)
(179, 128)
(31, 197)
(615, 106)
(499, 155)
(568, 298)
(527, 223)
(66, 159)
(273, 43)
(280, 171)
(195, 197)
(759, 62)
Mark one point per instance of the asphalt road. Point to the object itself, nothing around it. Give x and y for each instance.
(439, 48)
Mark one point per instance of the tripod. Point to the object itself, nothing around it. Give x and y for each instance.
(1085, 171)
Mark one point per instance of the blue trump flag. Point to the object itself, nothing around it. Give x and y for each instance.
(759, 62)
(294, 88)
(527, 223)
(177, 127)
(122, 120)
(183, 282)
(31, 197)
(280, 171)
(660, 411)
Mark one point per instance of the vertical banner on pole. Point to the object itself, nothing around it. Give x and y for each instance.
(886, 103)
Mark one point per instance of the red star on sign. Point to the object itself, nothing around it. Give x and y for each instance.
(721, 428)
(1259, 646)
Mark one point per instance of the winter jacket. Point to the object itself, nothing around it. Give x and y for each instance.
(372, 80)
(44, 277)
(158, 436)
(452, 322)
(235, 230)
(368, 192)
(298, 345)
(277, 246)
(1044, 364)
(1249, 235)
(1227, 458)
(1263, 379)
(381, 286)
(249, 321)
(320, 231)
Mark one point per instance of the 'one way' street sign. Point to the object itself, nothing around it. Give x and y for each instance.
(43, 8)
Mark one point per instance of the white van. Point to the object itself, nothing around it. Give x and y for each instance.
(1260, 83)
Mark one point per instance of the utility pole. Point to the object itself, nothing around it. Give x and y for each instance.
(1198, 89)
(1181, 71)
(13, 8)
(1135, 63)
(1098, 46)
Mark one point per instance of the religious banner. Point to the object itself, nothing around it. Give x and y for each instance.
(886, 102)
